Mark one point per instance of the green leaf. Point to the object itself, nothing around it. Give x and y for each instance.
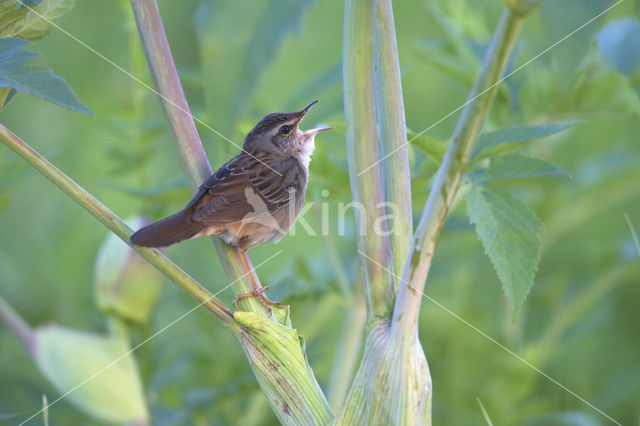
(595, 91)
(125, 284)
(10, 15)
(509, 138)
(603, 91)
(37, 22)
(26, 71)
(515, 166)
(510, 234)
(434, 148)
(32, 22)
(73, 361)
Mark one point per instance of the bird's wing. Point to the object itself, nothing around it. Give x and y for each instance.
(245, 188)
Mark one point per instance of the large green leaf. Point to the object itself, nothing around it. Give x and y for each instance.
(515, 166)
(31, 20)
(26, 71)
(74, 362)
(510, 234)
(509, 138)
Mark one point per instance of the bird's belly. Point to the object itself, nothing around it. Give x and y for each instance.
(255, 230)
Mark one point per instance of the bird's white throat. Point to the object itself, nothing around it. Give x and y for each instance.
(306, 150)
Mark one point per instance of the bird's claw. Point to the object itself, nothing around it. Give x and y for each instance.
(264, 300)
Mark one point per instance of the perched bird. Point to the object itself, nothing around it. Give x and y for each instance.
(254, 198)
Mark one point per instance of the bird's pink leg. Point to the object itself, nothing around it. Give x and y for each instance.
(258, 290)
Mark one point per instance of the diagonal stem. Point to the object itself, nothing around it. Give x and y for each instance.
(450, 172)
(192, 155)
(118, 227)
(17, 325)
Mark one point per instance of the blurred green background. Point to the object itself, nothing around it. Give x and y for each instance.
(237, 63)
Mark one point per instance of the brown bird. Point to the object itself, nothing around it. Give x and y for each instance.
(254, 198)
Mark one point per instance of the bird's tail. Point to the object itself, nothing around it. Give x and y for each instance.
(170, 230)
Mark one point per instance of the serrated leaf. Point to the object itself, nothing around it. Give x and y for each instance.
(501, 140)
(515, 166)
(26, 71)
(510, 234)
(434, 148)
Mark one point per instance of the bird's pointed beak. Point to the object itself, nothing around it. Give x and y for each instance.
(308, 107)
(304, 111)
(311, 132)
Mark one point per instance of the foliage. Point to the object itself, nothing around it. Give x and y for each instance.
(67, 358)
(581, 303)
(510, 233)
(24, 71)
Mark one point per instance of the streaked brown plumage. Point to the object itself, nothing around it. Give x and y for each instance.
(254, 198)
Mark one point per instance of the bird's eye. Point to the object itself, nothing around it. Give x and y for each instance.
(285, 129)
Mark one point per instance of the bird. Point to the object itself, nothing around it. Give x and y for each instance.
(254, 198)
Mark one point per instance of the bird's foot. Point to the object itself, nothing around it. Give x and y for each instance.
(264, 300)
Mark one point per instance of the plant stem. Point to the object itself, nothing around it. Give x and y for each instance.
(448, 177)
(17, 325)
(362, 148)
(166, 79)
(190, 150)
(118, 227)
(393, 133)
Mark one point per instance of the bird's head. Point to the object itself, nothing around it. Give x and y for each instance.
(280, 131)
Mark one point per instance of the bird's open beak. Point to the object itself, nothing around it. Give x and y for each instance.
(311, 131)
(318, 130)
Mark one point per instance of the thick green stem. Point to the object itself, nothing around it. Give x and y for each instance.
(450, 172)
(392, 386)
(192, 155)
(393, 133)
(362, 145)
(118, 227)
